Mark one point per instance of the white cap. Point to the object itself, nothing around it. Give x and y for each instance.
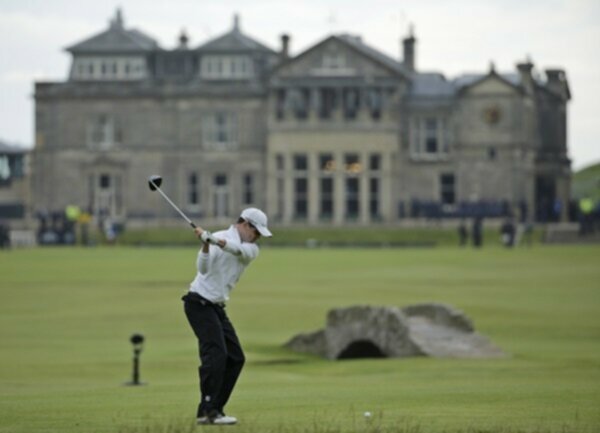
(258, 219)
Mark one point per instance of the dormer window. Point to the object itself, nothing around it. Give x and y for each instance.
(222, 67)
(108, 68)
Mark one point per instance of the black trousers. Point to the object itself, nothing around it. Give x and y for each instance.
(221, 354)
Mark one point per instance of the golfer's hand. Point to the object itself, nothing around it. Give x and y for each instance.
(208, 238)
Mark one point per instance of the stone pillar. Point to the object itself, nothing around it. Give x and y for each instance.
(313, 187)
(339, 189)
(364, 192)
(288, 204)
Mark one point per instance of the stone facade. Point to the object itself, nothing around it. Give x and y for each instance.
(339, 134)
(15, 196)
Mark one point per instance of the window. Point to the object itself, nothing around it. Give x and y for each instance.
(352, 197)
(375, 162)
(327, 102)
(248, 189)
(215, 67)
(300, 162)
(448, 195)
(220, 131)
(220, 196)
(352, 162)
(104, 181)
(431, 136)
(299, 102)
(326, 203)
(300, 198)
(428, 138)
(375, 103)
(351, 103)
(103, 132)
(326, 163)
(107, 193)
(193, 190)
(374, 198)
(334, 60)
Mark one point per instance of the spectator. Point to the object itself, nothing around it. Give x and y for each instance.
(463, 233)
(507, 232)
(477, 232)
(4, 236)
(586, 209)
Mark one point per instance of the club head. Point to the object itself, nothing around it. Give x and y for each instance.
(154, 182)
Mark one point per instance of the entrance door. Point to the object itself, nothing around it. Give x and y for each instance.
(106, 195)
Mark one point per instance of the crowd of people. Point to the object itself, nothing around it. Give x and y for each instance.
(73, 225)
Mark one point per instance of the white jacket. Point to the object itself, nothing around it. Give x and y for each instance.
(220, 269)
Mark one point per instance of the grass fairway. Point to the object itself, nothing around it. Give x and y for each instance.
(66, 316)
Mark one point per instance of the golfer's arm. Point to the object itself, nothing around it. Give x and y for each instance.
(203, 259)
(246, 251)
(203, 256)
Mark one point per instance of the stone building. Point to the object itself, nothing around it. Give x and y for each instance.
(338, 134)
(15, 196)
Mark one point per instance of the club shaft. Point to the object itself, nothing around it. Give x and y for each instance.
(174, 206)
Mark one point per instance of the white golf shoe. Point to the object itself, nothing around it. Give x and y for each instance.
(223, 419)
(220, 419)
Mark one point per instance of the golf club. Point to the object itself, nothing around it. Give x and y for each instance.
(154, 183)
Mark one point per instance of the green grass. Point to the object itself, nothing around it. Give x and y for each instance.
(434, 235)
(66, 316)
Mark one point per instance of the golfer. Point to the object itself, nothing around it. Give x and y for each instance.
(221, 261)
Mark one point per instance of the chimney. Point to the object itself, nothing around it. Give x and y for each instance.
(408, 52)
(183, 40)
(557, 82)
(526, 75)
(236, 22)
(285, 46)
(117, 22)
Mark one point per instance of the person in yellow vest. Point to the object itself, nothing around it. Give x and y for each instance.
(586, 209)
(84, 226)
(71, 216)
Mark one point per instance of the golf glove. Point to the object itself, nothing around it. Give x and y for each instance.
(208, 237)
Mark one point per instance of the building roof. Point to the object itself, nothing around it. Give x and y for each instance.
(116, 39)
(430, 84)
(12, 149)
(357, 43)
(469, 79)
(234, 41)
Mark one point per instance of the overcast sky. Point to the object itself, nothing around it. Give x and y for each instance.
(453, 37)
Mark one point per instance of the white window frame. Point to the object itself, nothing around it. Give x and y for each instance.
(219, 130)
(419, 135)
(102, 132)
(221, 67)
